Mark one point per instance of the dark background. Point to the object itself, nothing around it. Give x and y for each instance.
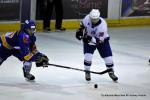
(9, 10)
(74, 9)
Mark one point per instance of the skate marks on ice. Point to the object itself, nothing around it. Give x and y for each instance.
(84, 90)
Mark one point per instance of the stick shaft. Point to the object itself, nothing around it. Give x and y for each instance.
(103, 72)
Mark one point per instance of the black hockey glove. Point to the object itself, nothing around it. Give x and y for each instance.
(42, 61)
(79, 34)
(87, 39)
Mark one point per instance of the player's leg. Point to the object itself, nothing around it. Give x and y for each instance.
(48, 9)
(106, 53)
(4, 54)
(109, 64)
(87, 65)
(88, 53)
(26, 66)
(59, 15)
(1, 61)
(26, 70)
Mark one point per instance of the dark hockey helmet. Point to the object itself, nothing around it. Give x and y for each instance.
(30, 27)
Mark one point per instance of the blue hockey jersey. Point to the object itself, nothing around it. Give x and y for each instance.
(21, 42)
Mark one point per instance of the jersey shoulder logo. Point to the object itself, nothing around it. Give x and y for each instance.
(26, 39)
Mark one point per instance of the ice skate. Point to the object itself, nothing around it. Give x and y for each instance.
(87, 75)
(28, 76)
(113, 76)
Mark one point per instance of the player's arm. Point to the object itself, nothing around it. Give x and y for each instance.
(28, 55)
(33, 47)
(41, 58)
(102, 34)
(100, 38)
(80, 31)
(25, 52)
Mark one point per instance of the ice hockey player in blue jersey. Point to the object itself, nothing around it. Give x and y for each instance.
(93, 32)
(21, 44)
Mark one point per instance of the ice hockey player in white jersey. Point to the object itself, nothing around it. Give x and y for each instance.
(93, 33)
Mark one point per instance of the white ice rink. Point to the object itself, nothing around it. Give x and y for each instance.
(131, 50)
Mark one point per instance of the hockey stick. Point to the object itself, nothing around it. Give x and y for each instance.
(61, 66)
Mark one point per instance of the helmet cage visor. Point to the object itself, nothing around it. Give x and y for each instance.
(94, 21)
(31, 30)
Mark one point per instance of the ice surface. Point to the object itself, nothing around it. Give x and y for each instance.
(131, 51)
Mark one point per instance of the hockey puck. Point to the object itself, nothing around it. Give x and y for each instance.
(95, 86)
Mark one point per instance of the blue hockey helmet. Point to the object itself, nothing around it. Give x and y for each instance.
(30, 26)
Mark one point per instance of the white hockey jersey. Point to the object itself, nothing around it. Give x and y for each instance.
(97, 31)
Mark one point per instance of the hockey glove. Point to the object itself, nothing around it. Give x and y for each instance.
(87, 39)
(79, 34)
(42, 61)
(100, 40)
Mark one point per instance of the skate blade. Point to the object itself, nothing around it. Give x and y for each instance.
(29, 80)
(115, 81)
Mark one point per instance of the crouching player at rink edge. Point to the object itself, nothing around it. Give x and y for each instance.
(21, 44)
(93, 32)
